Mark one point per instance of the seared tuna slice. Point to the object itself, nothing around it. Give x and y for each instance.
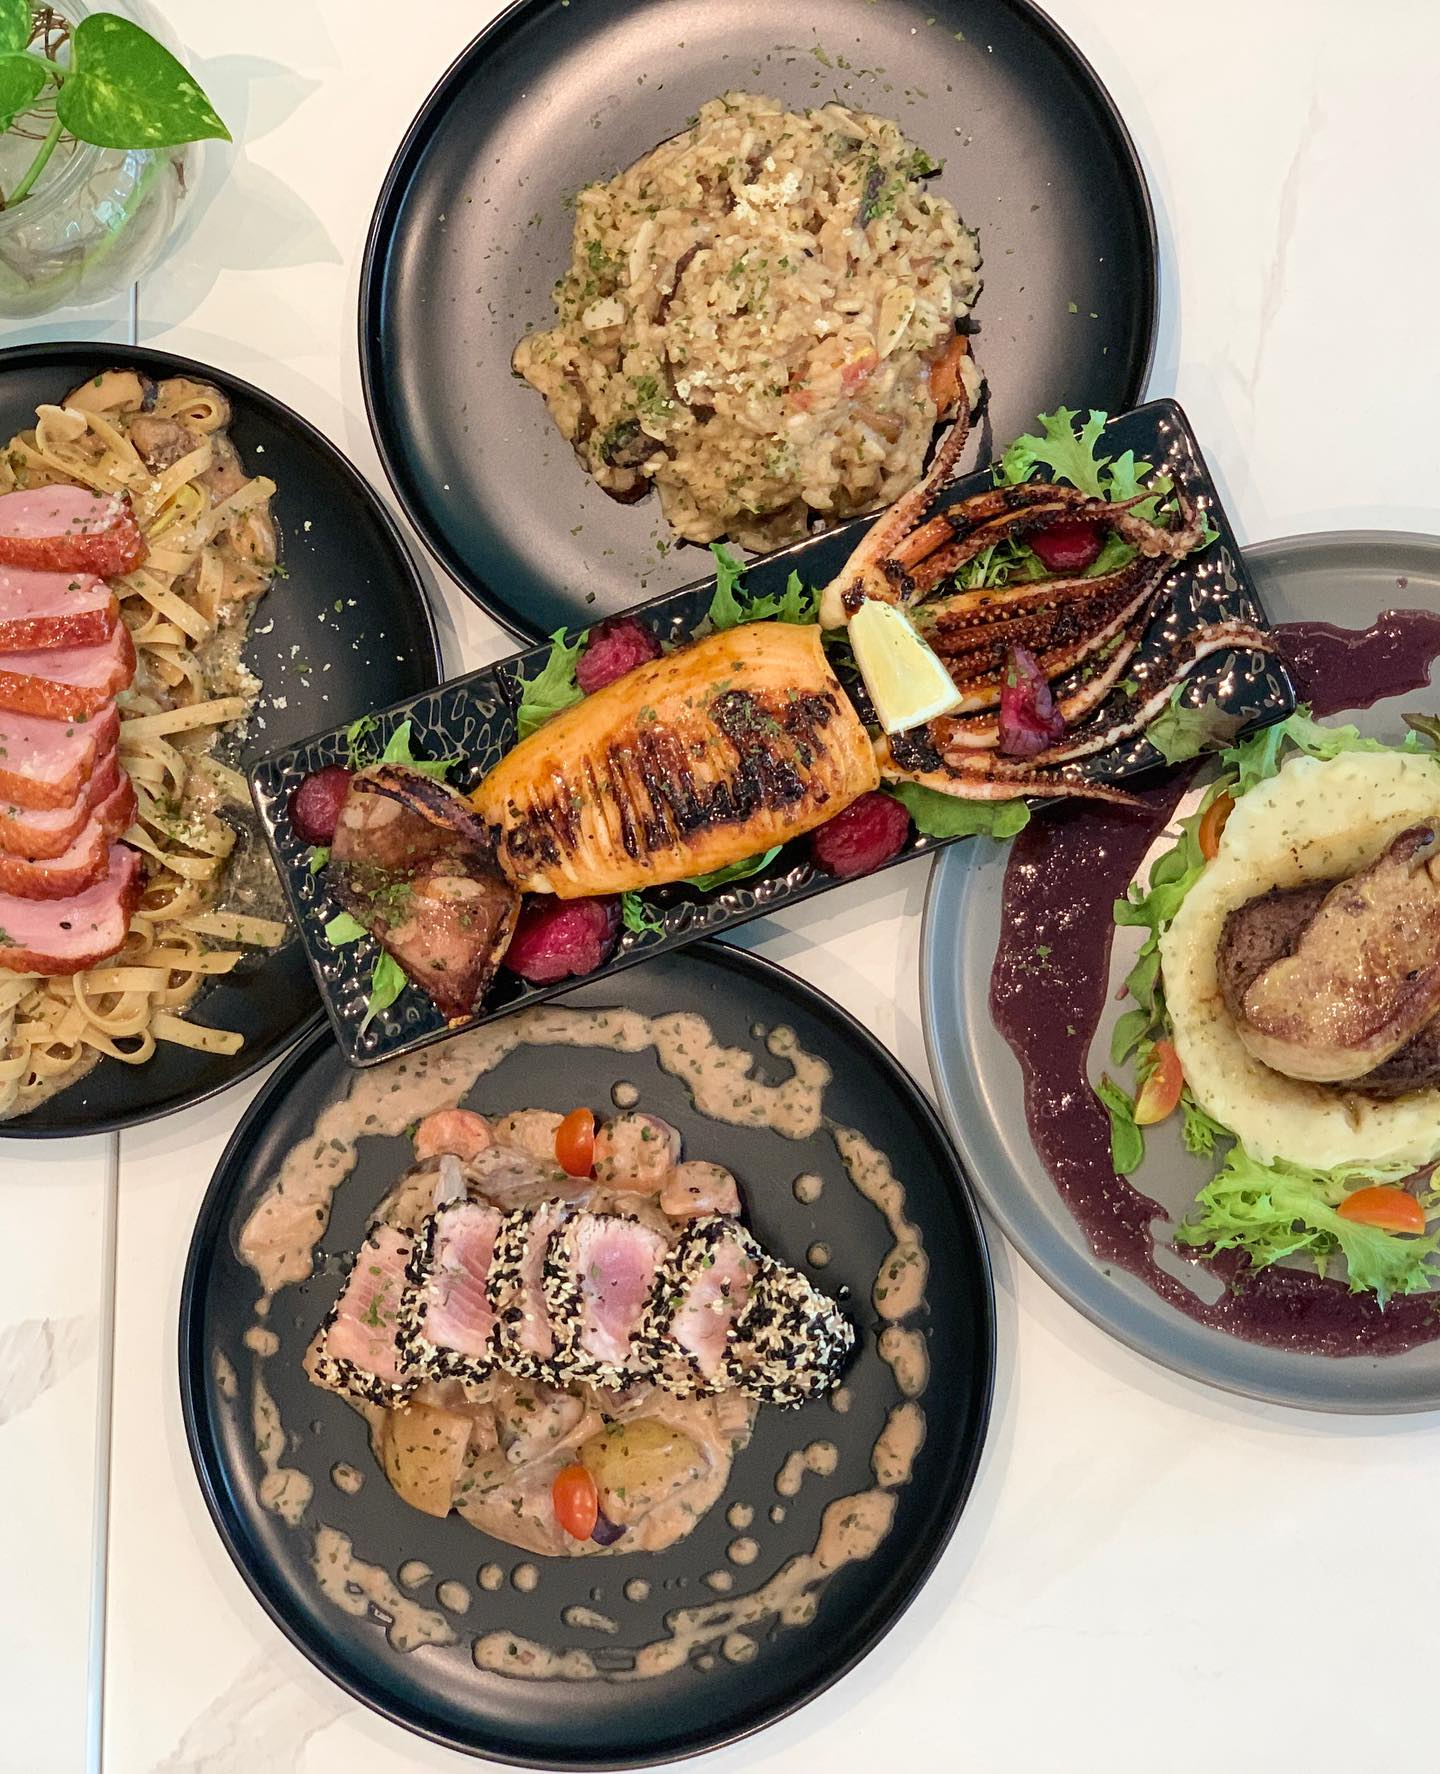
(448, 1324)
(699, 1292)
(789, 1341)
(416, 867)
(359, 1349)
(599, 1275)
(524, 1338)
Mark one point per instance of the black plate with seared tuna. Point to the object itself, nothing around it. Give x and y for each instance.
(805, 1173)
(1112, 641)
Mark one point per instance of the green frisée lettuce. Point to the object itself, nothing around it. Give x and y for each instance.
(732, 604)
(553, 688)
(639, 918)
(1267, 1211)
(1272, 1211)
(1070, 450)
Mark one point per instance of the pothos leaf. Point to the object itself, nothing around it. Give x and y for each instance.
(125, 90)
(14, 25)
(22, 80)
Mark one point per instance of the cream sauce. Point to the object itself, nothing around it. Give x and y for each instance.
(590, 1619)
(820, 1457)
(284, 1490)
(908, 1358)
(637, 1590)
(900, 1286)
(453, 1596)
(807, 1188)
(818, 1255)
(738, 1647)
(261, 1341)
(892, 1459)
(525, 1578)
(361, 1589)
(743, 1551)
(346, 1477)
(841, 1399)
(226, 1379)
(740, 1516)
(724, 1581)
(506, 1653)
(624, 1095)
(490, 1578)
(414, 1572)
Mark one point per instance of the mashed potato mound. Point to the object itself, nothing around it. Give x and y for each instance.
(1312, 822)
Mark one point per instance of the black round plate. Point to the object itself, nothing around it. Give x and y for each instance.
(472, 229)
(599, 1723)
(338, 545)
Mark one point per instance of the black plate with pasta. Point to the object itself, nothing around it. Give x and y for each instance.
(344, 620)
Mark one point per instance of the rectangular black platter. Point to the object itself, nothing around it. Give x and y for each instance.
(474, 717)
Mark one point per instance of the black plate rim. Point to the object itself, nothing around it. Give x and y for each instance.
(374, 270)
(1305, 542)
(61, 352)
(209, 1472)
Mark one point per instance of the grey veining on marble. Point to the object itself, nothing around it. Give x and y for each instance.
(36, 1354)
(260, 1721)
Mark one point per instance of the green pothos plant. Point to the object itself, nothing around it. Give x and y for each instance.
(104, 81)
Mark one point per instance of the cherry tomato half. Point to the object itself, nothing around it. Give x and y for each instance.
(575, 1143)
(1212, 823)
(1385, 1207)
(1160, 1092)
(577, 1502)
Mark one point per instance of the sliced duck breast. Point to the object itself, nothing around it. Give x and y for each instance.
(789, 1341)
(66, 683)
(449, 1323)
(60, 936)
(359, 1346)
(54, 609)
(524, 1338)
(65, 529)
(84, 862)
(44, 763)
(599, 1274)
(38, 832)
(700, 1291)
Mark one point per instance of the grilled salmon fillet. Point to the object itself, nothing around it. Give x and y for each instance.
(685, 765)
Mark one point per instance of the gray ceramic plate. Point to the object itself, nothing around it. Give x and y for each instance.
(1346, 579)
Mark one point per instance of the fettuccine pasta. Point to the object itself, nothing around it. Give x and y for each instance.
(212, 553)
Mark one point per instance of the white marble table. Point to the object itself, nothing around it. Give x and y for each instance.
(1150, 1575)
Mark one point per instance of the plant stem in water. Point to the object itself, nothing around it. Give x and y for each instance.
(37, 165)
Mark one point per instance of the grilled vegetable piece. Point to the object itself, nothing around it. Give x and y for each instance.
(423, 1448)
(415, 866)
(685, 765)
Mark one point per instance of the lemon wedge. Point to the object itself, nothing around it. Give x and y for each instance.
(906, 678)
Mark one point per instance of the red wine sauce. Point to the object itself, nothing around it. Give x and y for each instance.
(1048, 991)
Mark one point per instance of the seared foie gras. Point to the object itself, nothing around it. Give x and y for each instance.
(413, 864)
(685, 765)
(1363, 977)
